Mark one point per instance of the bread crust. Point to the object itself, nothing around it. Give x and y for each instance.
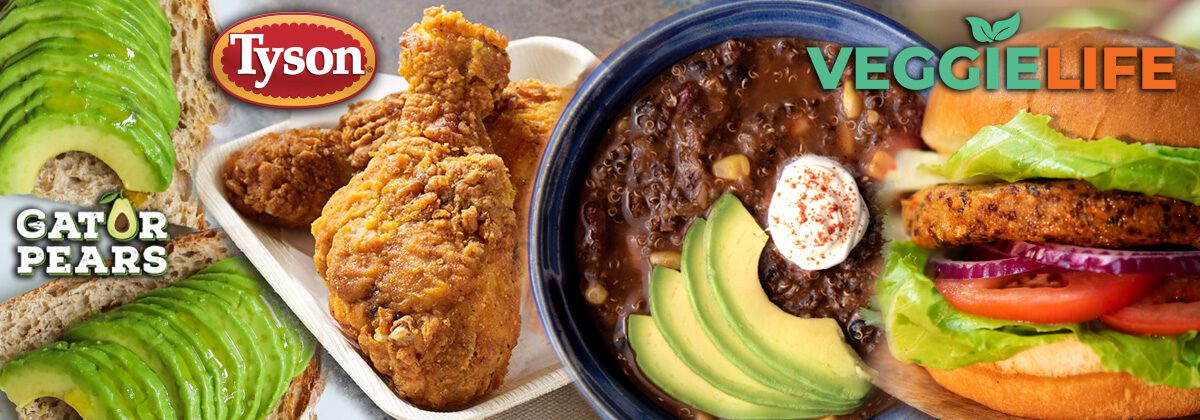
(1165, 117)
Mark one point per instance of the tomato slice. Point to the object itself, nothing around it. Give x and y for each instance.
(1171, 308)
(1046, 296)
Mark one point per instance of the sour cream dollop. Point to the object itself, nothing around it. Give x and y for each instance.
(817, 214)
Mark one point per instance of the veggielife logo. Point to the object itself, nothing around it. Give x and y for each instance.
(123, 223)
(1101, 67)
(293, 60)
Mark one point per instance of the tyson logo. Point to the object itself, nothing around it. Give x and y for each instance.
(293, 60)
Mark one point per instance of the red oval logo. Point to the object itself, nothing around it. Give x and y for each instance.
(293, 60)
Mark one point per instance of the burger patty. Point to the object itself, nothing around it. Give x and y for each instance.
(1066, 212)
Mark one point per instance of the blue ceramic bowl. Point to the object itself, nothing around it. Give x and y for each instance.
(604, 94)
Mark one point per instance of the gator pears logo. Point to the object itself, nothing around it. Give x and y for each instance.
(293, 60)
(65, 243)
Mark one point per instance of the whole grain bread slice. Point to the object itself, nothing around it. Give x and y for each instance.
(80, 178)
(40, 316)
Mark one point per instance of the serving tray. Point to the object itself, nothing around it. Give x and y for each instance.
(284, 256)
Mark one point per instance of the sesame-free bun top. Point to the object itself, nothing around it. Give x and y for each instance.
(1165, 117)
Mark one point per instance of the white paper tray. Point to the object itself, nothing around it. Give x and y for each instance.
(284, 256)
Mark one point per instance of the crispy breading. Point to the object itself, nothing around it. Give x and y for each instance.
(1067, 212)
(519, 131)
(366, 123)
(527, 113)
(418, 250)
(284, 179)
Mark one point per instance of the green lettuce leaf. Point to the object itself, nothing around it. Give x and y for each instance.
(923, 328)
(1026, 147)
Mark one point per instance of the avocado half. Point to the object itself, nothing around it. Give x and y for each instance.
(92, 77)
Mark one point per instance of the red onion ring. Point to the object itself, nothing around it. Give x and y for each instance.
(941, 267)
(1099, 260)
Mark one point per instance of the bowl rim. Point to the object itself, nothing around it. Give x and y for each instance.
(608, 406)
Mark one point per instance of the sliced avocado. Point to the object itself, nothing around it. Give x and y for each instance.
(47, 134)
(41, 90)
(53, 371)
(129, 23)
(215, 342)
(811, 350)
(296, 338)
(220, 368)
(122, 221)
(707, 309)
(154, 401)
(85, 39)
(221, 319)
(134, 387)
(151, 84)
(135, 19)
(664, 368)
(145, 11)
(177, 369)
(276, 360)
(672, 313)
(24, 27)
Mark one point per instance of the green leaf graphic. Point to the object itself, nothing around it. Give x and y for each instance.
(1005, 29)
(981, 30)
(109, 197)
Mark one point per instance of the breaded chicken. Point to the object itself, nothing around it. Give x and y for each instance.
(1071, 212)
(418, 250)
(519, 131)
(366, 123)
(527, 113)
(284, 179)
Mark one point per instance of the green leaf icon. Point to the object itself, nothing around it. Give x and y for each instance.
(985, 32)
(1005, 29)
(981, 30)
(109, 197)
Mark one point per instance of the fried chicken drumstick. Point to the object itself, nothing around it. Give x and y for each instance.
(418, 250)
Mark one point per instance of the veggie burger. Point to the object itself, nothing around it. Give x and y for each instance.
(1054, 272)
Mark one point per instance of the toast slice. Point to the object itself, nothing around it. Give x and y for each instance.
(40, 316)
(79, 178)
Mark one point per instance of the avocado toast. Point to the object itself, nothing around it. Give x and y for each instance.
(149, 327)
(106, 95)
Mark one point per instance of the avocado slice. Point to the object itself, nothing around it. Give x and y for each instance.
(89, 121)
(152, 85)
(45, 91)
(296, 338)
(54, 371)
(48, 134)
(153, 401)
(26, 26)
(220, 317)
(122, 221)
(135, 383)
(143, 11)
(135, 19)
(276, 361)
(664, 368)
(672, 313)
(811, 350)
(217, 367)
(176, 369)
(218, 343)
